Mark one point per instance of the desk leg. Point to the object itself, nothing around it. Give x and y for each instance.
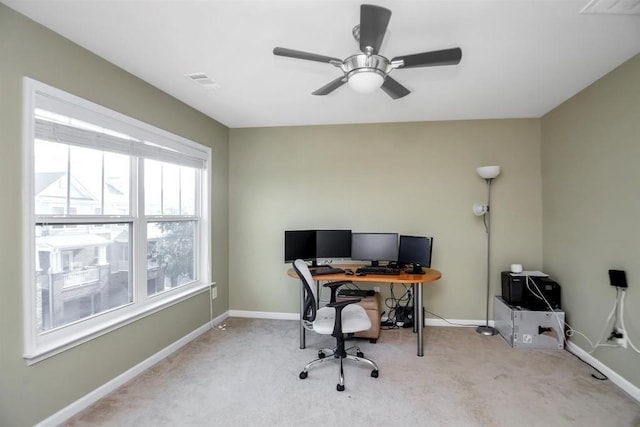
(420, 318)
(302, 330)
(414, 291)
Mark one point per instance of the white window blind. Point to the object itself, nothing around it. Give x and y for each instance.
(134, 141)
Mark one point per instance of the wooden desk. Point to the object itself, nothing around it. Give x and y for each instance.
(416, 280)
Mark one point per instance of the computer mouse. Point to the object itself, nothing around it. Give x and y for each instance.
(359, 273)
(348, 272)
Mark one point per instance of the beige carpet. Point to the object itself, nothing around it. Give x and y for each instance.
(247, 375)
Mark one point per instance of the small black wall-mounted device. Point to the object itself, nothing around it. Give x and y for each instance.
(618, 278)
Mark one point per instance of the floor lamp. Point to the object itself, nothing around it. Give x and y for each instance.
(488, 173)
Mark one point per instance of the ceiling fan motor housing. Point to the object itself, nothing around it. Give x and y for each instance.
(361, 62)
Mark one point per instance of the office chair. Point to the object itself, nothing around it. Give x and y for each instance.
(337, 319)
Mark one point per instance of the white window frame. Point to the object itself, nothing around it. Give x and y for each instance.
(165, 145)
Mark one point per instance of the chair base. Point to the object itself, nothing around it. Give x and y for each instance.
(330, 354)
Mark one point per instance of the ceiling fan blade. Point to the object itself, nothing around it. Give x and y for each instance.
(373, 25)
(394, 89)
(433, 58)
(291, 53)
(331, 86)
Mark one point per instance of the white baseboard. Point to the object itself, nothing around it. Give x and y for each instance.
(89, 399)
(296, 316)
(458, 323)
(264, 315)
(615, 378)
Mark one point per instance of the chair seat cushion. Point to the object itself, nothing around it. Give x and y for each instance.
(354, 319)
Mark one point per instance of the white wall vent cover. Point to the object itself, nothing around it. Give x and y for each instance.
(614, 7)
(203, 80)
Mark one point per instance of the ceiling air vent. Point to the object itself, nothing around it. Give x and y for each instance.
(203, 80)
(613, 7)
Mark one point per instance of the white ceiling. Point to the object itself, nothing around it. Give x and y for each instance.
(520, 58)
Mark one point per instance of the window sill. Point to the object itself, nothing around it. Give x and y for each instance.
(56, 346)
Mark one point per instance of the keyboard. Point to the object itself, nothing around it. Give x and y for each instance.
(326, 270)
(386, 271)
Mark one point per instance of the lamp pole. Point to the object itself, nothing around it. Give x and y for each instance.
(486, 329)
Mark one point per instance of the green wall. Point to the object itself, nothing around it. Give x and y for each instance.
(591, 199)
(28, 394)
(410, 178)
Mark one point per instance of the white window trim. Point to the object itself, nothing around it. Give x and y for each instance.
(37, 346)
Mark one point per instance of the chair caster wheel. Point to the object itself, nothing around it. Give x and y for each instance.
(374, 373)
(340, 387)
(321, 355)
(360, 354)
(303, 375)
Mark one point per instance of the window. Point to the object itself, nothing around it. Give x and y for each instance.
(117, 222)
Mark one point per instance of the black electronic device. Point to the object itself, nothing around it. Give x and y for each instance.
(415, 250)
(374, 247)
(362, 293)
(513, 287)
(300, 244)
(385, 271)
(333, 243)
(325, 271)
(530, 292)
(542, 287)
(404, 316)
(618, 278)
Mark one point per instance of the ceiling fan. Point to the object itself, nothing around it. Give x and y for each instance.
(367, 71)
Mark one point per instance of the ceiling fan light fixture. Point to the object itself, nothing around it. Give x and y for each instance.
(365, 80)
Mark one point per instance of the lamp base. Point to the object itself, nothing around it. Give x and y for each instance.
(486, 330)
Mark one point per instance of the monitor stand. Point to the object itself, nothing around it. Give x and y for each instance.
(315, 265)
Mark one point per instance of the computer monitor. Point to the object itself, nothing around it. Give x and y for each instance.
(415, 250)
(374, 247)
(299, 244)
(333, 243)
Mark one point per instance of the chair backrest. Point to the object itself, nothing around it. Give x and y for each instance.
(310, 297)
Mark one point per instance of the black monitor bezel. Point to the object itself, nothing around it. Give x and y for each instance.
(424, 260)
(375, 260)
(308, 254)
(342, 250)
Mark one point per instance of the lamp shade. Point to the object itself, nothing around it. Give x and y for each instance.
(365, 80)
(488, 172)
(480, 209)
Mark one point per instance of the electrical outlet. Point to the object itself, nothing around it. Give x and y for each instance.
(214, 292)
(622, 342)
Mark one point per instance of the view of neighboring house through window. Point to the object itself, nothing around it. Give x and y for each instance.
(80, 270)
(120, 225)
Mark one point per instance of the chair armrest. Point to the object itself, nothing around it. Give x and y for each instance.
(337, 323)
(339, 305)
(334, 287)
